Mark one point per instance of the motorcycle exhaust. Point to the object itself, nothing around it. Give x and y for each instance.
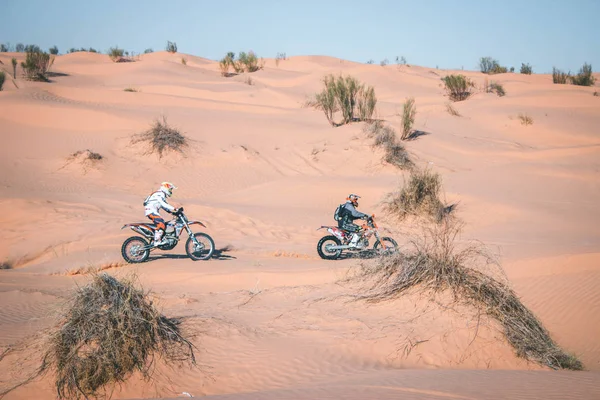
(340, 247)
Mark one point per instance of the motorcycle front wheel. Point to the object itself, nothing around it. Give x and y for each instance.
(323, 248)
(202, 252)
(134, 250)
(390, 245)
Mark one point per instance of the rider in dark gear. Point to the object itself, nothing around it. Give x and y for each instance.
(350, 213)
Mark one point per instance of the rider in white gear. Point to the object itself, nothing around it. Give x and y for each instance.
(153, 204)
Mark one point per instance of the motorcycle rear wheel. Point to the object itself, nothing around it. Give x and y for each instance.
(327, 254)
(132, 250)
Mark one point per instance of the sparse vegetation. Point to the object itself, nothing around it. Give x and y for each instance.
(385, 137)
(171, 47)
(459, 87)
(110, 330)
(130, 89)
(494, 87)
(148, 51)
(14, 65)
(2, 79)
(451, 110)
(526, 69)
(347, 95)
(279, 57)
(371, 61)
(525, 119)
(437, 264)
(488, 65)
(53, 50)
(419, 197)
(20, 47)
(7, 264)
(401, 60)
(116, 54)
(596, 94)
(245, 62)
(3, 48)
(184, 60)
(384, 62)
(584, 77)
(248, 81)
(36, 65)
(162, 138)
(559, 76)
(84, 50)
(409, 111)
(87, 155)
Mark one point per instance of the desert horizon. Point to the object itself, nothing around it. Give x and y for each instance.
(490, 175)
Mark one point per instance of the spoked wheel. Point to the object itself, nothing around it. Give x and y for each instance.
(390, 246)
(203, 251)
(323, 248)
(134, 250)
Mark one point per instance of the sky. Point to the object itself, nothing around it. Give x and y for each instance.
(433, 33)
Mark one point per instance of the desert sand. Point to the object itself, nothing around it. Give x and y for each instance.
(263, 173)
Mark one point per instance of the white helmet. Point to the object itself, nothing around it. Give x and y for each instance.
(167, 188)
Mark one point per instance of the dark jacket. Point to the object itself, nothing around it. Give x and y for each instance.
(349, 215)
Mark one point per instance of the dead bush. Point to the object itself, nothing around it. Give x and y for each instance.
(386, 138)
(162, 138)
(436, 264)
(420, 197)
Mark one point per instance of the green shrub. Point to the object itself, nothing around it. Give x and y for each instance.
(171, 47)
(36, 65)
(348, 95)
(2, 79)
(559, 76)
(459, 87)
(116, 54)
(147, 51)
(53, 50)
(3, 48)
(409, 110)
(14, 65)
(526, 69)
(20, 47)
(584, 77)
(245, 62)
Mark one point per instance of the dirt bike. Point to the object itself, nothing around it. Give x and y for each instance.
(330, 247)
(136, 249)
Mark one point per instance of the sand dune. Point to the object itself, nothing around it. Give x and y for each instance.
(263, 173)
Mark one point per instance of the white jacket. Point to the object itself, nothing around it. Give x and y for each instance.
(155, 202)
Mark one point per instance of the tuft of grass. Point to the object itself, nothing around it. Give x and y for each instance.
(384, 62)
(436, 264)
(559, 76)
(494, 87)
(36, 65)
(162, 138)
(596, 94)
(184, 60)
(451, 110)
(525, 119)
(458, 87)
(584, 77)
(2, 79)
(347, 95)
(171, 47)
(130, 89)
(109, 330)
(526, 69)
(279, 57)
(409, 111)
(14, 65)
(420, 197)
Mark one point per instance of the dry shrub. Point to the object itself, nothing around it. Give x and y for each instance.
(459, 87)
(2, 79)
(130, 89)
(7, 264)
(409, 110)
(385, 137)
(451, 110)
(110, 330)
(437, 264)
(162, 138)
(36, 65)
(420, 197)
(525, 119)
(596, 94)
